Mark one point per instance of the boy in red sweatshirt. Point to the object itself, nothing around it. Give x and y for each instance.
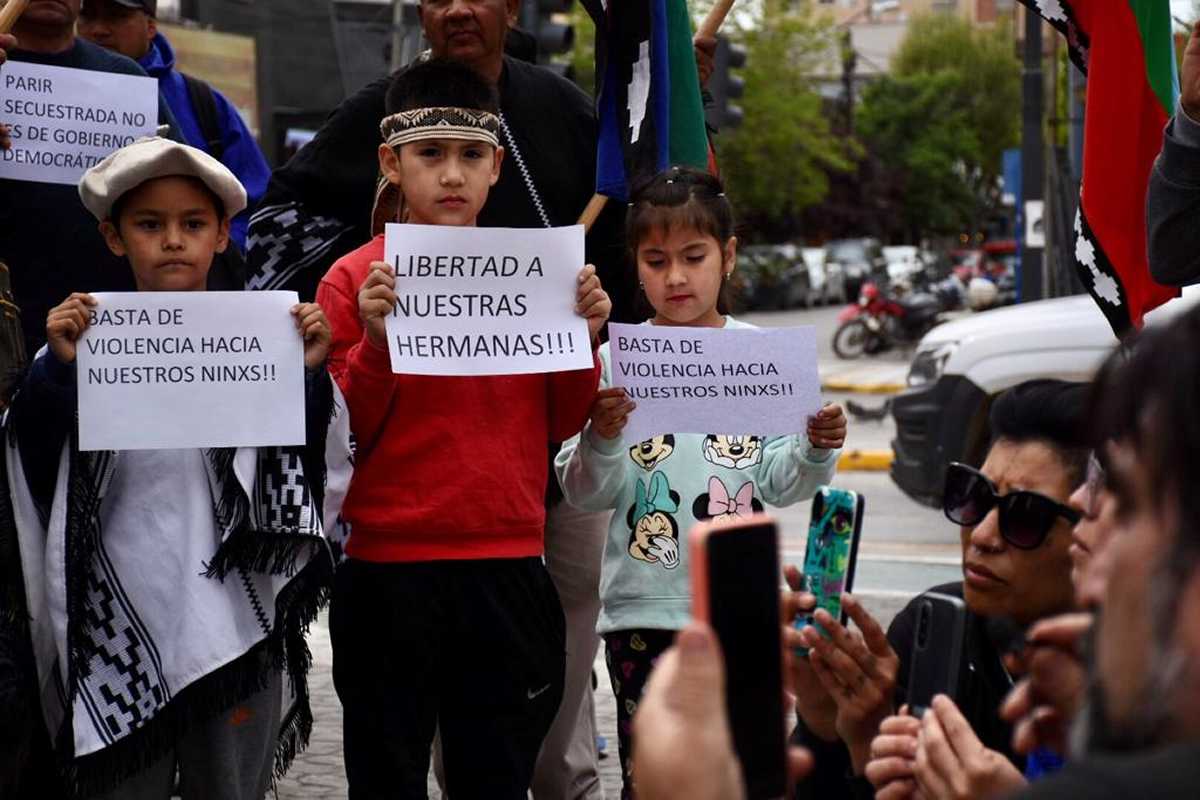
(444, 615)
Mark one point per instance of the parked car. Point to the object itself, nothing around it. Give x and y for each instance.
(773, 277)
(961, 366)
(802, 282)
(818, 276)
(854, 261)
(904, 262)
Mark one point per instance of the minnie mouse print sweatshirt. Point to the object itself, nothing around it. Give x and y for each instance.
(658, 489)
(445, 467)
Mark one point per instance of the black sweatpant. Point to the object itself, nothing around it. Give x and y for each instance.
(475, 648)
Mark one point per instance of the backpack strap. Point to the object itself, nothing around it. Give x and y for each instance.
(205, 105)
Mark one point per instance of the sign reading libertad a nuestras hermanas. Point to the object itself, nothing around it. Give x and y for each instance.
(162, 370)
(64, 121)
(486, 301)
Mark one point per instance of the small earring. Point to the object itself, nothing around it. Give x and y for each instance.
(728, 275)
(641, 285)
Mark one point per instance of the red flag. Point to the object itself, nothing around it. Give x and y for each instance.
(1127, 51)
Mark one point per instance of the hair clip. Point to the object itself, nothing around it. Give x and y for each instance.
(670, 181)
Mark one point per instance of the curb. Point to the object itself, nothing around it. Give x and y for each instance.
(850, 387)
(865, 461)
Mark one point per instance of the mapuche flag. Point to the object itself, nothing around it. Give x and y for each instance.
(648, 99)
(1127, 51)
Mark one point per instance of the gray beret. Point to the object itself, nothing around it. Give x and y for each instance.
(148, 158)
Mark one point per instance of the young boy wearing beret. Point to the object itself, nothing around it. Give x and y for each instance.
(168, 590)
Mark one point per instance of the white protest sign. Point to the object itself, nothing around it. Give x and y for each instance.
(747, 381)
(486, 301)
(160, 370)
(67, 120)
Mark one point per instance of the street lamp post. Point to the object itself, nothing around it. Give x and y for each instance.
(1033, 164)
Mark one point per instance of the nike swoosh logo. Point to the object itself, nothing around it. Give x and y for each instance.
(532, 694)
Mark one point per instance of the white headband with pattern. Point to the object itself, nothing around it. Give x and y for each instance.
(440, 122)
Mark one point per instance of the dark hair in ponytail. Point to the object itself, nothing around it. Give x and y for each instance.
(680, 197)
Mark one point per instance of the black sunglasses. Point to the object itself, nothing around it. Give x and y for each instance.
(1025, 517)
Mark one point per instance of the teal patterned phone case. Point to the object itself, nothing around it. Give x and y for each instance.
(830, 553)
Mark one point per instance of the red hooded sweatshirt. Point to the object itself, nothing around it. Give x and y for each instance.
(445, 467)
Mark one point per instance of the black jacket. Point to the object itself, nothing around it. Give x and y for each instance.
(984, 688)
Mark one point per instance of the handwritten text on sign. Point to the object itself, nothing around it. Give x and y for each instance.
(190, 369)
(715, 380)
(67, 120)
(486, 301)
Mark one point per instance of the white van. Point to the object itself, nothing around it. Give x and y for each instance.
(961, 366)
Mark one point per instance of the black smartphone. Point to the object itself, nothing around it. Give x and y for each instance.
(735, 588)
(942, 619)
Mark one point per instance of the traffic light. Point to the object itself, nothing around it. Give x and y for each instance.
(724, 86)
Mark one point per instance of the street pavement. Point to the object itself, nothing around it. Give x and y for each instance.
(905, 548)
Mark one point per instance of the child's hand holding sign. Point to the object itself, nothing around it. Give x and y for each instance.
(65, 323)
(311, 322)
(828, 428)
(592, 302)
(376, 299)
(611, 411)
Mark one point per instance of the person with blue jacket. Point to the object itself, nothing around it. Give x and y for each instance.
(206, 117)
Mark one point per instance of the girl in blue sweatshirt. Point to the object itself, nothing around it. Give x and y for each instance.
(680, 230)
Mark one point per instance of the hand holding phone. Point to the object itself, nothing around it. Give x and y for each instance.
(815, 707)
(831, 551)
(682, 744)
(735, 589)
(936, 662)
(858, 670)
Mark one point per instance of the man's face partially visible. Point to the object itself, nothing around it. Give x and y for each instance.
(470, 31)
(1134, 663)
(51, 13)
(128, 31)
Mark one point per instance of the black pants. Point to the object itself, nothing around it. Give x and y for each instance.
(630, 656)
(475, 648)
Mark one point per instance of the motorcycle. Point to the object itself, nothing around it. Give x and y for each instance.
(878, 322)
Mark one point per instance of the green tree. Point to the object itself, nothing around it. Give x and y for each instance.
(777, 162)
(941, 123)
(923, 139)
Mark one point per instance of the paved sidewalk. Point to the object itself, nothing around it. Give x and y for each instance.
(863, 375)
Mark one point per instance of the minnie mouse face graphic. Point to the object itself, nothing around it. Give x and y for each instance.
(654, 533)
(735, 452)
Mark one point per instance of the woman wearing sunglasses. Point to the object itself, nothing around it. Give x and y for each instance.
(1015, 528)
